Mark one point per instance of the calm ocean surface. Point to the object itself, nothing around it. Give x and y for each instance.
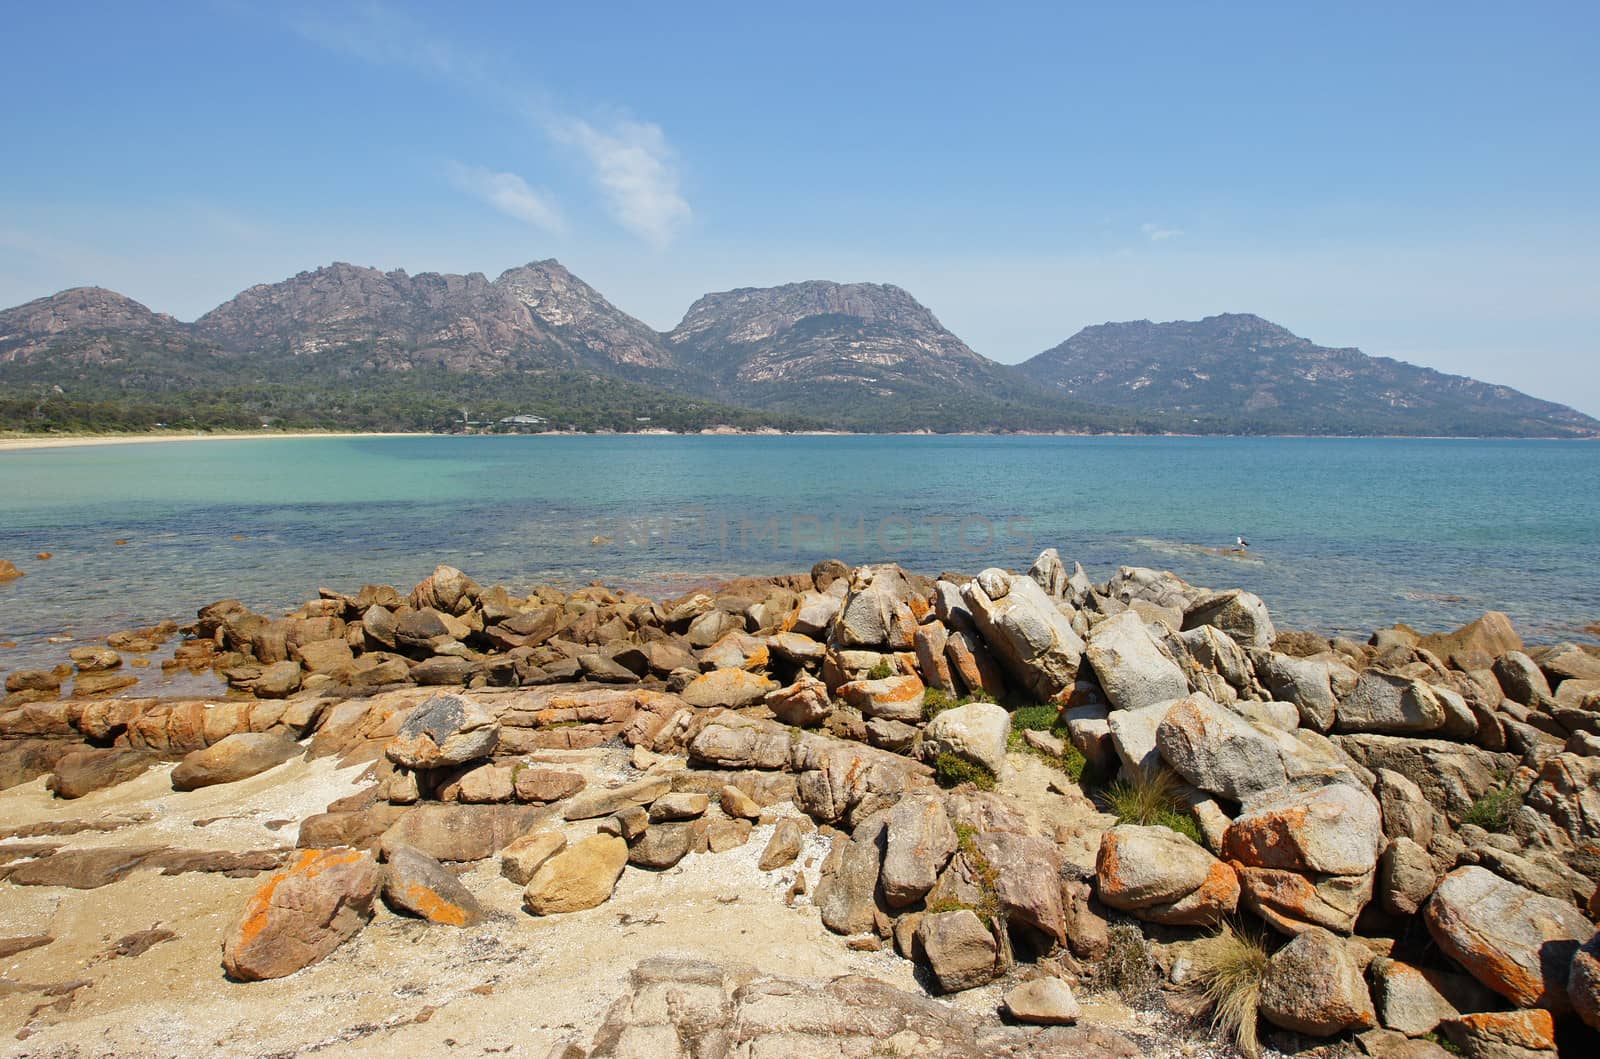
(1345, 535)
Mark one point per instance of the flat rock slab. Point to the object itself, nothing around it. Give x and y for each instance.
(604, 801)
(22, 943)
(671, 1000)
(82, 869)
(90, 869)
(1044, 1002)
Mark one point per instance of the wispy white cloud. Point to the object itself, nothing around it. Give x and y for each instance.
(630, 162)
(1157, 233)
(637, 171)
(510, 194)
(380, 34)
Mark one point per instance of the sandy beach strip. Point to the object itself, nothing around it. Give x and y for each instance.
(77, 441)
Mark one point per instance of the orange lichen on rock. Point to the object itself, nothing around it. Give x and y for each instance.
(302, 913)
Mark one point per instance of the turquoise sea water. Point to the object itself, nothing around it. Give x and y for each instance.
(1345, 535)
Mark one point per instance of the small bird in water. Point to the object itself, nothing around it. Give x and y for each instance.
(1242, 542)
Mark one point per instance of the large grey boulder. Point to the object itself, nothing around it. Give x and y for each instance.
(1219, 751)
(1132, 669)
(919, 843)
(868, 615)
(1133, 734)
(1161, 587)
(1025, 630)
(445, 730)
(977, 732)
(1451, 776)
(1516, 942)
(1521, 679)
(1406, 877)
(961, 951)
(1050, 574)
(1568, 791)
(815, 613)
(1407, 999)
(1336, 829)
(1390, 703)
(845, 896)
(1309, 684)
(1406, 811)
(1240, 614)
(1313, 986)
(1213, 662)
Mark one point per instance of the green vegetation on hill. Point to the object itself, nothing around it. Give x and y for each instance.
(420, 400)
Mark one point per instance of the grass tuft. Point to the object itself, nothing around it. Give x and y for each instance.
(1043, 718)
(1229, 969)
(935, 701)
(1149, 798)
(1495, 810)
(882, 671)
(1070, 760)
(951, 770)
(1127, 967)
(1444, 1042)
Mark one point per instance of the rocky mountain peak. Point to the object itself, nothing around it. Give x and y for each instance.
(536, 315)
(1241, 367)
(749, 314)
(77, 316)
(80, 309)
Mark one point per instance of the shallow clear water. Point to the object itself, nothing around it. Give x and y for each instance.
(1345, 535)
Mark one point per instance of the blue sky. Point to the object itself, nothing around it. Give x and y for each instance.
(1421, 183)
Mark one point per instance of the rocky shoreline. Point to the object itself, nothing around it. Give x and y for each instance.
(1039, 815)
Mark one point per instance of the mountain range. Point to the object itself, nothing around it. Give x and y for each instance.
(357, 348)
